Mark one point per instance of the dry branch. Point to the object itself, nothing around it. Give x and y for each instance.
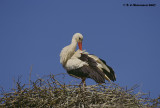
(50, 92)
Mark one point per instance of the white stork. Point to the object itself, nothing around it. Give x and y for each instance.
(82, 65)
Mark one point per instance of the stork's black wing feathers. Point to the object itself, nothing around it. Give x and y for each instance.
(87, 72)
(92, 63)
(89, 60)
(91, 70)
(110, 74)
(94, 72)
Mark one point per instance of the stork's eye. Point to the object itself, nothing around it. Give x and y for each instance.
(79, 38)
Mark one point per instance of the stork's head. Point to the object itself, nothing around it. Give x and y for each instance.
(78, 38)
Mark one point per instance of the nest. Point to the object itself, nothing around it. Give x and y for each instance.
(51, 93)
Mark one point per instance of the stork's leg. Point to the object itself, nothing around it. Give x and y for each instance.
(83, 83)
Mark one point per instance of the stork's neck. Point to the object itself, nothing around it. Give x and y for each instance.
(73, 44)
(72, 48)
(68, 52)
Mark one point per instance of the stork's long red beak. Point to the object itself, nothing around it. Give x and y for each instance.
(80, 45)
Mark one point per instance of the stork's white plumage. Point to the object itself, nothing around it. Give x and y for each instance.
(81, 64)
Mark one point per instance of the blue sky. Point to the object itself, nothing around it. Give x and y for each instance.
(33, 32)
